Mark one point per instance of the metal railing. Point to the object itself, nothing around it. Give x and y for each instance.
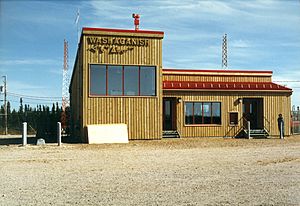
(236, 128)
(178, 127)
(267, 125)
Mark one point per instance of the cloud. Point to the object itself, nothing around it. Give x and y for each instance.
(29, 62)
(240, 44)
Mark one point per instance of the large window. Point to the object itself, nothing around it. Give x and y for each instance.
(131, 80)
(114, 80)
(202, 113)
(147, 74)
(118, 80)
(98, 80)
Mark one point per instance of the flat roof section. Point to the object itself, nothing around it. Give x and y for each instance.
(89, 30)
(217, 72)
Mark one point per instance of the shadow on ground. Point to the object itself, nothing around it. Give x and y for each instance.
(17, 140)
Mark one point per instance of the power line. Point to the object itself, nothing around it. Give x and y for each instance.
(29, 102)
(34, 97)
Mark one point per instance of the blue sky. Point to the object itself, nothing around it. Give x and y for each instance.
(262, 35)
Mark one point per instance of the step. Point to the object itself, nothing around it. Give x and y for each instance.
(170, 134)
(257, 132)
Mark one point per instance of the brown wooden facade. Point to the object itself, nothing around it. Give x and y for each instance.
(272, 101)
(142, 114)
(145, 115)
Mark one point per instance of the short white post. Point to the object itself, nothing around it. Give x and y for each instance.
(281, 130)
(24, 133)
(249, 127)
(58, 133)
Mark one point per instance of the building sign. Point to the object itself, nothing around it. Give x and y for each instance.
(115, 45)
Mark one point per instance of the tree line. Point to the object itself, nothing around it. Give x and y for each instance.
(41, 120)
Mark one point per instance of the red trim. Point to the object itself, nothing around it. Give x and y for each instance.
(122, 30)
(192, 85)
(213, 71)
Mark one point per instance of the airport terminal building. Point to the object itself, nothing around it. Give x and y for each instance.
(118, 77)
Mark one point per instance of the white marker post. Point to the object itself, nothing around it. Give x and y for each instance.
(281, 130)
(24, 133)
(58, 133)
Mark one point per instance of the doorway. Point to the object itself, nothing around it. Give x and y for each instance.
(253, 112)
(169, 113)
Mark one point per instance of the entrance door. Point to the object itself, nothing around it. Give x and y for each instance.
(253, 112)
(169, 113)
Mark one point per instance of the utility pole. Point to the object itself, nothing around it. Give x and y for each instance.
(5, 103)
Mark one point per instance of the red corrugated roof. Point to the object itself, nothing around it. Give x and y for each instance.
(122, 30)
(257, 86)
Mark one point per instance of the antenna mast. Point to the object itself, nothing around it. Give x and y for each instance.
(65, 85)
(224, 52)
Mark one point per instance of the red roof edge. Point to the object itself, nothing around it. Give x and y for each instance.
(208, 70)
(123, 30)
(257, 86)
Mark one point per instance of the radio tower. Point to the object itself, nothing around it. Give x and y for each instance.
(224, 52)
(65, 85)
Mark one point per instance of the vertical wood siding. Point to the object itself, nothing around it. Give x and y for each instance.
(273, 103)
(215, 78)
(76, 96)
(143, 115)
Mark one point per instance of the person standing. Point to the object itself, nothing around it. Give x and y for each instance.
(280, 125)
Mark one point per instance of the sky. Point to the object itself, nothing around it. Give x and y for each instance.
(262, 35)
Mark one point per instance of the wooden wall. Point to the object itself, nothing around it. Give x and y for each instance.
(215, 78)
(76, 99)
(273, 103)
(143, 115)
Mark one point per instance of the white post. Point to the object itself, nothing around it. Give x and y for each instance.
(24, 134)
(248, 127)
(281, 130)
(59, 133)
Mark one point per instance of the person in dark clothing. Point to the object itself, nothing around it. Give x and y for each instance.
(280, 121)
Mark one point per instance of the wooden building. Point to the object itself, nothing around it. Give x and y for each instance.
(118, 78)
(219, 103)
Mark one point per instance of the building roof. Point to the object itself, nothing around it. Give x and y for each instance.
(220, 86)
(122, 31)
(217, 72)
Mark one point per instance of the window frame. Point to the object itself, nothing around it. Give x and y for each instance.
(123, 81)
(231, 123)
(211, 112)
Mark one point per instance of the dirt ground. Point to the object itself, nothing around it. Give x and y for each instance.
(199, 171)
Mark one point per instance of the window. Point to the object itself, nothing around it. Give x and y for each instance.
(97, 79)
(197, 113)
(216, 112)
(118, 80)
(114, 80)
(147, 81)
(233, 118)
(189, 113)
(202, 113)
(131, 80)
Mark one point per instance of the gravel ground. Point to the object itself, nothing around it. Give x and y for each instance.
(200, 171)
